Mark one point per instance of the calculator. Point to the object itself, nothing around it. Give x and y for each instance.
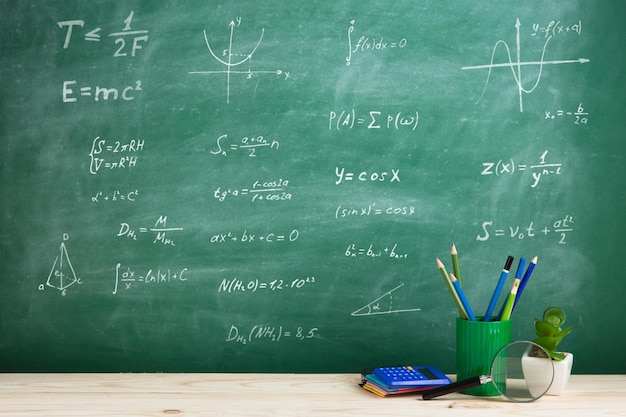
(411, 376)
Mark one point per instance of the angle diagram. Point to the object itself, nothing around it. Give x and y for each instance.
(383, 305)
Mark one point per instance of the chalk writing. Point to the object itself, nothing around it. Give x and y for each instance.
(115, 195)
(127, 276)
(510, 167)
(98, 93)
(578, 116)
(385, 304)
(62, 275)
(128, 41)
(363, 176)
(560, 227)
(254, 285)
(246, 237)
(373, 119)
(113, 154)
(270, 333)
(231, 59)
(370, 44)
(273, 190)
(160, 231)
(374, 210)
(250, 144)
(356, 251)
(556, 27)
(515, 65)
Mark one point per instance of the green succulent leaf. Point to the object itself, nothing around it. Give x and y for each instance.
(555, 316)
(543, 328)
(547, 342)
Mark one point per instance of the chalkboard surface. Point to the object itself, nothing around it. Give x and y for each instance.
(265, 186)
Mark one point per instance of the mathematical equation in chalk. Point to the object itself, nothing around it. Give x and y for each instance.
(510, 167)
(556, 27)
(560, 227)
(270, 333)
(393, 175)
(254, 285)
(251, 145)
(373, 119)
(114, 154)
(161, 231)
(71, 93)
(115, 195)
(578, 117)
(259, 191)
(128, 41)
(246, 237)
(373, 210)
(128, 278)
(355, 250)
(373, 44)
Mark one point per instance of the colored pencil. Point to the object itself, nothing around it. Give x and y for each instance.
(522, 285)
(455, 297)
(500, 284)
(518, 275)
(464, 302)
(455, 263)
(508, 306)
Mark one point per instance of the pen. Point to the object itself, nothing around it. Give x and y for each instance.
(461, 295)
(455, 263)
(496, 293)
(529, 271)
(453, 293)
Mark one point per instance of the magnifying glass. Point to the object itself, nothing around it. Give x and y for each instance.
(521, 371)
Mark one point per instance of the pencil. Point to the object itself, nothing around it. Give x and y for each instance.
(508, 307)
(522, 284)
(461, 295)
(499, 285)
(455, 263)
(455, 297)
(518, 275)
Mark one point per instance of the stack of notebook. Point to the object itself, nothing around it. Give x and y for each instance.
(382, 382)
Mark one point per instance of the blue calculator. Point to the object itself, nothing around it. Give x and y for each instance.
(411, 376)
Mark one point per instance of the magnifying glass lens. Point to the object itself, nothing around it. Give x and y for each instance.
(522, 371)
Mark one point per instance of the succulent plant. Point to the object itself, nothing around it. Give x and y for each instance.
(550, 333)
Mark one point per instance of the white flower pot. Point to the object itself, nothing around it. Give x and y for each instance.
(537, 373)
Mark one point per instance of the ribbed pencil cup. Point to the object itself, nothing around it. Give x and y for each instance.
(477, 343)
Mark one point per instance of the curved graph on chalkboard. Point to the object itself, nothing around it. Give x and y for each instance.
(383, 305)
(234, 60)
(62, 274)
(516, 66)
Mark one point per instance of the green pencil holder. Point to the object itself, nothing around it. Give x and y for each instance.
(477, 343)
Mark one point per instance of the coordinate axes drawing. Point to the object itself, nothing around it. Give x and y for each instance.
(516, 66)
(383, 305)
(231, 60)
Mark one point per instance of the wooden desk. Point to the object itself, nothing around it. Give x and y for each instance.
(276, 395)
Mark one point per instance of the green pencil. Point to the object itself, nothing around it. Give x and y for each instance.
(455, 263)
(508, 306)
(453, 293)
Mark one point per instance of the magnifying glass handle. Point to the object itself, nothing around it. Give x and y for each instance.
(456, 387)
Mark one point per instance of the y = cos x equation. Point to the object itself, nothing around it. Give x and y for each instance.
(516, 65)
(230, 60)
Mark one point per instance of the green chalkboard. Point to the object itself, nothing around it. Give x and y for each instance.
(265, 186)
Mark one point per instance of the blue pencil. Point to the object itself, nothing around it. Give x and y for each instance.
(461, 295)
(522, 284)
(496, 293)
(518, 277)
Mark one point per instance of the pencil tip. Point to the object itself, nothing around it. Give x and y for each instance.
(453, 248)
(439, 264)
(534, 260)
